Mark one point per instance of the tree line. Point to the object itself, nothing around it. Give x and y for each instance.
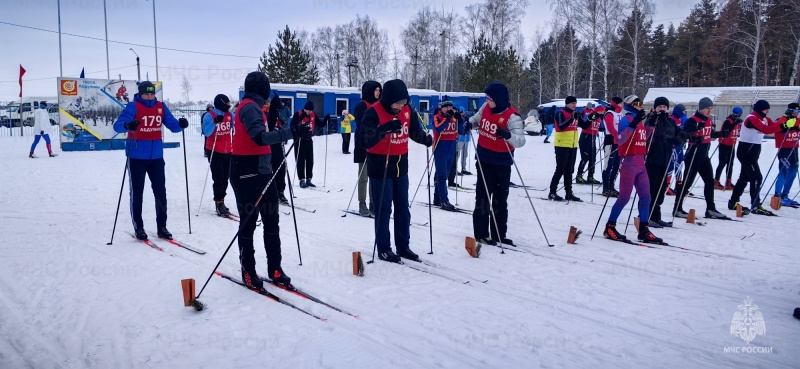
(592, 48)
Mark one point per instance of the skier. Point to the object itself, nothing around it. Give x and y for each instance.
(251, 171)
(662, 136)
(611, 121)
(387, 127)
(346, 129)
(41, 125)
(447, 125)
(142, 119)
(786, 143)
(217, 129)
(632, 140)
(304, 150)
(678, 116)
(566, 146)
(549, 122)
(501, 130)
(587, 142)
(274, 119)
(755, 126)
(209, 108)
(700, 131)
(727, 146)
(370, 93)
(462, 147)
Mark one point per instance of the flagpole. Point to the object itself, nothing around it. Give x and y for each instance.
(155, 37)
(105, 20)
(60, 59)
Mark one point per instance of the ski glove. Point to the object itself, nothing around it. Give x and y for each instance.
(592, 117)
(218, 119)
(391, 127)
(304, 131)
(791, 123)
(183, 122)
(467, 126)
(502, 133)
(132, 124)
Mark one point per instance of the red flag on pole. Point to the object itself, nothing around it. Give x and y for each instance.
(21, 73)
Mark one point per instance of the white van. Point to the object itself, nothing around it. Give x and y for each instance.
(28, 105)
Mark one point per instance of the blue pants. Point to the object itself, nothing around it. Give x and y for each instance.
(549, 129)
(633, 173)
(395, 191)
(787, 159)
(153, 169)
(36, 141)
(443, 157)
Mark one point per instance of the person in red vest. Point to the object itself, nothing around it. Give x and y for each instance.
(611, 121)
(251, 173)
(727, 146)
(387, 126)
(274, 119)
(142, 119)
(304, 150)
(446, 127)
(633, 173)
(587, 143)
(217, 125)
(370, 93)
(500, 131)
(786, 143)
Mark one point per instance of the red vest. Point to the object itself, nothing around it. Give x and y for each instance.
(399, 141)
(637, 143)
(150, 118)
(242, 143)
(786, 140)
(704, 131)
(488, 127)
(222, 132)
(450, 132)
(731, 139)
(567, 116)
(309, 119)
(594, 128)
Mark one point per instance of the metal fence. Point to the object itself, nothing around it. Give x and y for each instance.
(27, 131)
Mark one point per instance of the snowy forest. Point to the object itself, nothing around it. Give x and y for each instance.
(608, 47)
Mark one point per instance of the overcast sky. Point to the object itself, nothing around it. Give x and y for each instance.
(243, 29)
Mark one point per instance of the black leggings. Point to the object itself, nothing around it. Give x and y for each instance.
(725, 161)
(748, 155)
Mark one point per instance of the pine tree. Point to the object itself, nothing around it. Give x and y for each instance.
(288, 62)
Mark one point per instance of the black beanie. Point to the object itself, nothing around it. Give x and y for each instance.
(393, 91)
(308, 106)
(570, 99)
(257, 83)
(368, 91)
(499, 93)
(221, 103)
(661, 100)
(146, 87)
(760, 106)
(794, 106)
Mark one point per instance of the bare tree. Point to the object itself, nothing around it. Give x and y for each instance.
(590, 30)
(325, 54)
(502, 20)
(608, 12)
(753, 28)
(186, 86)
(372, 43)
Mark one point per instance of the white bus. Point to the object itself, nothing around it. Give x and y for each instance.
(14, 119)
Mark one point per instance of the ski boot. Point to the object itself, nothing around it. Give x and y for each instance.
(732, 206)
(164, 233)
(714, 214)
(448, 206)
(282, 199)
(487, 241)
(466, 172)
(507, 241)
(592, 181)
(278, 277)
(612, 234)
(389, 256)
(728, 185)
(52, 155)
(718, 186)
(303, 183)
(363, 210)
(222, 210)
(786, 201)
(408, 254)
(761, 211)
(140, 234)
(679, 213)
(646, 236)
(571, 197)
(32, 156)
(670, 192)
(309, 184)
(662, 223)
(252, 281)
(580, 180)
(554, 196)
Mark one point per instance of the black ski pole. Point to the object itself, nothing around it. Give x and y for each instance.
(294, 217)
(525, 187)
(600, 217)
(210, 160)
(633, 204)
(488, 195)
(380, 199)
(186, 175)
(250, 213)
(360, 171)
(119, 201)
(430, 211)
(761, 187)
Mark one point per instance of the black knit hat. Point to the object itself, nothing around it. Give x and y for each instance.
(661, 100)
(146, 87)
(570, 99)
(257, 83)
(221, 102)
(794, 106)
(309, 105)
(393, 91)
(760, 106)
(499, 93)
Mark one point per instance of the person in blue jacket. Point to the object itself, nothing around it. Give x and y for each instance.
(142, 119)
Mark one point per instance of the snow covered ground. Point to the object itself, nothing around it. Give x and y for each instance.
(68, 300)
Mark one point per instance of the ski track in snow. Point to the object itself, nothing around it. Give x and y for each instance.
(71, 301)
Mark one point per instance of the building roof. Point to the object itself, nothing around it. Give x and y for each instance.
(744, 96)
(357, 90)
